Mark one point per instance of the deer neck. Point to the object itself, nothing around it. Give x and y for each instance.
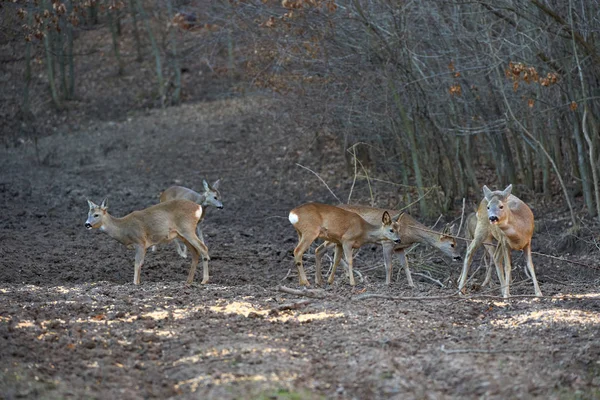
(114, 228)
(415, 232)
(373, 234)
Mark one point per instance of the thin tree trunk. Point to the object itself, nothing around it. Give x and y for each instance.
(136, 33)
(115, 40)
(175, 58)
(50, 63)
(155, 51)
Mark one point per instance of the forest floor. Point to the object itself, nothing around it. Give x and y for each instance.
(72, 324)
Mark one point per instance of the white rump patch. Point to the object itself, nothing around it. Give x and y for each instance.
(199, 212)
(293, 218)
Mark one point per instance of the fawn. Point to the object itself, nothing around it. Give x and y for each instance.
(410, 230)
(506, 218)
(160, 223)
(344, 228)
(209, 197)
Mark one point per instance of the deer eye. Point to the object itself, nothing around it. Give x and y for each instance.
(96, 215)
(452, 244)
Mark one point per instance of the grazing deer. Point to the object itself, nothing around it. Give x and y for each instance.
(209, 197)
(506, 218)
(410, 230)
(344, 228)
(160, 223)
(471, 225)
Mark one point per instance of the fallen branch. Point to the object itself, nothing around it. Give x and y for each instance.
(430, 278)
(314, 293)
(289, 306)
(383, 296)
(458, 351)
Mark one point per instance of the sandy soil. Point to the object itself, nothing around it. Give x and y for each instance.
(72, 324)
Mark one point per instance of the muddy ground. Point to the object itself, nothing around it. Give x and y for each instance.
(72, 324)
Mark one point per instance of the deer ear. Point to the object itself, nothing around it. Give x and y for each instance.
(386, 219)
(216, 184)
(205, 184)
(487, 193)
(507, 191)
(104, 204)
(91, 204)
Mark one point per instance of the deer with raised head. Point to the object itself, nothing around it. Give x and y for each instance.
(410, 230)
(160, 223)
(344, 228)
(470, 226)
(209, 197)
(506, 218)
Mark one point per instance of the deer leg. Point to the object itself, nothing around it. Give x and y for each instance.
(348, 256)
(507, 270)
(404, 264)
(200, 249)
(318, 263)
(388, 249)
(473, 246)
(488, 270)
(536, 286)
(181, 248)
(140, 253)
(303, 244)
(336, 260)
(497, 256)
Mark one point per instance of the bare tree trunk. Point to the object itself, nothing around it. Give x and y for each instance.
(175, 57)
(115, 40)
(50, 62)
(136, 33)
(155, 51)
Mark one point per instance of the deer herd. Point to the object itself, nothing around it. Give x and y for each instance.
(502, 223)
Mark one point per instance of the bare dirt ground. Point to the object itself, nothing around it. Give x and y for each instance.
(72, 324)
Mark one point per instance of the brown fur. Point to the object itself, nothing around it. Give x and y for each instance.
(512, 228)
(160, 223)
(411, 231)
(344, 228)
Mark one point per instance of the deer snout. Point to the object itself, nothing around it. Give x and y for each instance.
(220, 207)
(493, 219)
(457, 258)
(397, 240)
(88, 225)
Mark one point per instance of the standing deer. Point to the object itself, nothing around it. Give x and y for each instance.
(410, 230)
(506, 218)
(209, 197)
(471, 225)
(160, 223)
(344, 228)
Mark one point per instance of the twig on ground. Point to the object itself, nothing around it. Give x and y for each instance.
(421, 298)
(429, 277)
(491, 351)
(286, 275)
(314, 293)
(290, 306)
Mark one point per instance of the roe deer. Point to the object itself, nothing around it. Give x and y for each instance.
(410, 230)
(471, 225)
(209, 197)
(344, 228)
(506, 218)
(160, 223)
